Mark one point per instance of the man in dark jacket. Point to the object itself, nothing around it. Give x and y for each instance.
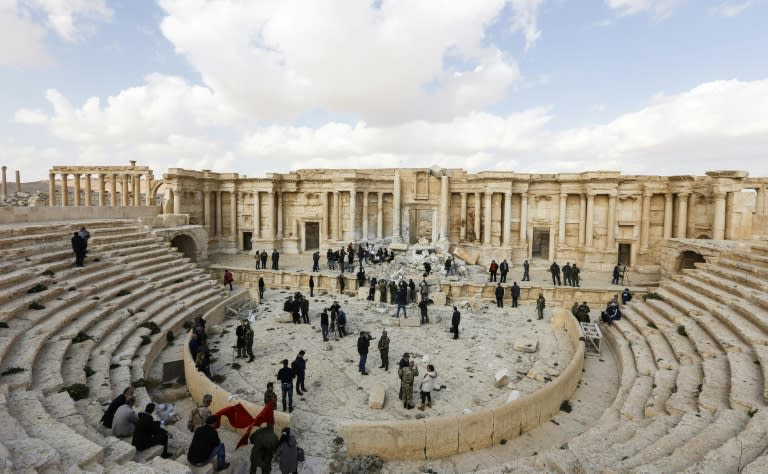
(299, 367)
(148, 432)
(316, 262)
(555, 270)
(275, 259)
(455, 321)
(503, 269)
(402, 300)
(205, 445)
(264, 441)
(363, 342)
(384, 350)
(240, 339)
(515, 290)
(78, 247)
(263, 257)
(109, 414)
(499, 295)
(526, 271)
(285, 376)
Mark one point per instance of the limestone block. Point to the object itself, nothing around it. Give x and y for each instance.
(506, 421)
(560, 318)
(470, 256)
(526, 344)
(513, 395)
(532, 374)
(376, 396)
(388, 440)
(398, 246)
(475, 431)
(442, 436)
(362, 292)
(411, 322)
(283, 317)
(438, 299)
(501, 379)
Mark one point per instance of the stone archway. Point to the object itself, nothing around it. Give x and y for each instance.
(190, 240)
(186, 245)
(688, 259)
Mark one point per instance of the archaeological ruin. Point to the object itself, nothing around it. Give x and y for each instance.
(677, 384)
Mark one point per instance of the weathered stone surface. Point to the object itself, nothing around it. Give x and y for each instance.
(376, 396)
(412, 321)
(470, 256)
(442, 436)
(398, 246)
(532, 374)
(438, 299)
(362, 292)
(526, 344)
(501, 378)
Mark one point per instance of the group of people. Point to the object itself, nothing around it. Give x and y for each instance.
(571, 274)
(198, 347)
(261, 259)
(298, 306)
(286, 375)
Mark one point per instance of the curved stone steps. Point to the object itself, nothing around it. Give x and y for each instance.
(758, 271)
(27, 453)
(10, 236)
(758, 466)
(738, 283)
(749, 256)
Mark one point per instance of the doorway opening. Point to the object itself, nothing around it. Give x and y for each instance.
(420, 225)
(625, 255)
(247, 240)
(540, 244)
(186, 245)
(689, 259)
(311, 235)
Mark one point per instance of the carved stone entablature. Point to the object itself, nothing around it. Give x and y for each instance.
(736, 174)
(539, 197)
(541, 221)
(624, 197)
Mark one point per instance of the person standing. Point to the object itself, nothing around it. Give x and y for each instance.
(257, 257)
(263, 259)
(316, 262)
(311, 286)
(515, 290)
(78, 247)
(342, 283)
(249, 341)
(423, 304)
(324, 325)
(299, 367)
(455, 321)
(424, 289)
(228, 279)
(265, 442)
(341, 322)
(499, 296)
(427, 385)
(384, 350)
(85, 235)
(285, 376)
(402, 299)
(205, 445)
(304, 307)
(575, 272)
(541, 303)
(288, 451)
(404, 361)
(504, 269)
(372, 289)
(261, 288)
(411, 291)
(567, 274)
(270, 395)
(363, 342)
(240, 341)
(555, 270)
(275, 259)
(526, 271)
(493, 269)
(407, 376)
(616, 275)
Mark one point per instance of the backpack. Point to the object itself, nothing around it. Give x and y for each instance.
(191, 421)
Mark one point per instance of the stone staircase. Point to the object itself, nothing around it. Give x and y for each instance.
(59, 320)
(692, 396)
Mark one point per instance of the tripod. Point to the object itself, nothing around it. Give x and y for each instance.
(625, 276)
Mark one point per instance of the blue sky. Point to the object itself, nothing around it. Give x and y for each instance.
(639, 86)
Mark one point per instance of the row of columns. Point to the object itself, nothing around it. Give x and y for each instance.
(5, 182)
(124, 178)
(336, 232)
(218, 228)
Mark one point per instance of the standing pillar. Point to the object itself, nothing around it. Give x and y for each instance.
(324, 219)
(729, 227)
(64, 189)
(523, 218)
(124, 190)
(102, 190)
(380, 216)
(18, 181)
(477, 217)
(176, 200)
(148, 198)
(645, 221)
(77, 189)
(582, 219)
(233, 214)
(365, 215)
(5, 183)
(396, 212)
(760, 201)
(219, 211)
(113, 191)
(488, 219)
(272, 215)
(280, 199)
(610, 241)
(590, 219)
(352, 217)
(337, 214)
(257, 215)
(561, 227)
(682, 216)
(88, 192)
(445, 205)
(51, 188)
(718, 227)
(463, 223)
(691, 230)
(136, 190)
(506, 232)
(668, 215)
(207, 210)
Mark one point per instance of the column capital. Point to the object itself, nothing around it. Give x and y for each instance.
(684, 194)
(720, 194)
(563, 195)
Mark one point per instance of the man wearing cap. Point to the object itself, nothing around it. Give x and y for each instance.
(205, 445)
(200, 413)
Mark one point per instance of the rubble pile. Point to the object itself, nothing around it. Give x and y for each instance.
(22, 199)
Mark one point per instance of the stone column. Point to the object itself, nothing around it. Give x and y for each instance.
(610, 241)
(325, 218)
(77, 189)
(682, 216)
(5, 183)
(207, 210)
(113, 191)
(102, 190)
(280, 199)
(691, 213)
(506, 232)
(667, 215)
(645, 221)
(176, 200)
(64, 189)
(337, 214)
(582, 218)
(729, 227)
(148, 195)
(136, 190)
(488, 219)
(272, 215)
(51, 188)
(463, 223)
(718, 226)
(396, 211)
(124, 191)
(760, 201)
(445, 205)
(380, 217)
(561, 229)
(219, 211)
(477, 217)
(257, 215)
(18, 181)
(590, 220)
(88, 192)
(365, 215)
(523, 218)
(233, 214)
(352, 211)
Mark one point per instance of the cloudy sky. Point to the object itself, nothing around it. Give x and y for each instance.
(638, 86)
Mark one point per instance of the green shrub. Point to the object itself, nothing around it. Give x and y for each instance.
(113, 366)
(81, 337)
(169, 337)
(88, 371)
(652, 295)
(152, 326)
(36, 305)
(3, 325)
(13, 370)
(122, 293)
(681, 330)
(37, 288)
(652, 325)
(218, 378)
(236, 366)
(48, 273)
(77, 391)
(566, 406)
(145, 340)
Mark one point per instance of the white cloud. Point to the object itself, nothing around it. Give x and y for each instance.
(730, 9)
(384, 63)
(656, 8)
(71, 19)
(22, 39)
(524, 20)
(30, 117)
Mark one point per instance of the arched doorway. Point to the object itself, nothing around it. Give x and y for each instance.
(689, 259)
(186, 245)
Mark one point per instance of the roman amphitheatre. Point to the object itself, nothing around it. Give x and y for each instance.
(676, 385)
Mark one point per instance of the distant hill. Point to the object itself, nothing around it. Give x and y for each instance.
(30, 187)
